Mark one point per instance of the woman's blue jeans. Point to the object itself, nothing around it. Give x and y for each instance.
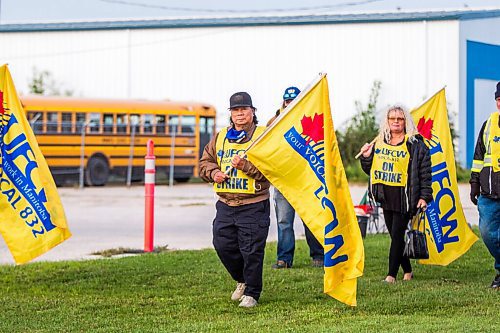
(489, 225)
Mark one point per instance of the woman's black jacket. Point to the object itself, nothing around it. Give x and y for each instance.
(419, 184)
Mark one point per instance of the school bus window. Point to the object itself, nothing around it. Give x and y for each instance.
(95, 123)
(36, 121)
(188, 124)
(80, 121)
(134, 122)
(160, 124)
(203, 125)
(103, 129)
(207, 126)
(211, 126)
(121, 123)
(51, 122)
(147, 122)
(173, 123)
(107, 120)
(66, 122)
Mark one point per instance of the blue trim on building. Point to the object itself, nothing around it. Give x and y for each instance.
(482, 63)
(253, 21)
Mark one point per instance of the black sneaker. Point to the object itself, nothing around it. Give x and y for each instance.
(496, 282)
(281, 264)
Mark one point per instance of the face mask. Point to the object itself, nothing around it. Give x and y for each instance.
(233, 134)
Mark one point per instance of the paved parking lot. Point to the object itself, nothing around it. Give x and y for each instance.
(102, 218)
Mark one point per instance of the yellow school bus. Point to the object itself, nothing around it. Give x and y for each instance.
(101, 137)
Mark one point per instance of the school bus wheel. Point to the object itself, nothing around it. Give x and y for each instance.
(97, 171)
(181, 179)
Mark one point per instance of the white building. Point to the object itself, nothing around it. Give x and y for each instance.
(413, 54)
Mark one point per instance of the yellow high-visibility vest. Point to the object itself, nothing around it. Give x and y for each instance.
(491, 139)
(390, 164)
(238, 182)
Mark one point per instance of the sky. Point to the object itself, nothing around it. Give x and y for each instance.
(32, 11)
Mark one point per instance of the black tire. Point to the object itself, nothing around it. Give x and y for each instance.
(97, 172)
(181, 179)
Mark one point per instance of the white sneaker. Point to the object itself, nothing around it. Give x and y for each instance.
(238, 292)
(247, 302)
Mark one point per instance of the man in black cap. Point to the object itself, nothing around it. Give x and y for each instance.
(485, 184)
(242, 220)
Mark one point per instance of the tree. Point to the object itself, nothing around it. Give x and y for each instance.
(362, 128)
(42, 83)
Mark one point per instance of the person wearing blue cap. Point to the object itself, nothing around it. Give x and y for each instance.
(285, 214)
(485, 184)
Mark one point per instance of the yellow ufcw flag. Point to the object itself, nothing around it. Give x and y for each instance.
(32, 217)
(300, 156)
(448, 234)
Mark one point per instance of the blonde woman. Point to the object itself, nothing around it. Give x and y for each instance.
(399, 166)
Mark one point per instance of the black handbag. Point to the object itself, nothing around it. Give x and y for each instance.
(415, 241)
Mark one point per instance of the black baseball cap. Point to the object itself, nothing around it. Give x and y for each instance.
(240, 99)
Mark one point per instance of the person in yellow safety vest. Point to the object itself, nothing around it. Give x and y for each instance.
(399, 165)
(242, 219)
(485, 184)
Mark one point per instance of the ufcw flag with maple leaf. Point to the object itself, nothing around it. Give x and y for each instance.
(448, 234)
(300, 156)
(33, 219)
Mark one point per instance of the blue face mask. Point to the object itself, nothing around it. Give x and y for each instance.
(233, 134)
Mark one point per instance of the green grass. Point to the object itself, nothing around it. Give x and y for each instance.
(188, 291)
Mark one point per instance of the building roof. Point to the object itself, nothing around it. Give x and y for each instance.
(260, 20)
(58, 103)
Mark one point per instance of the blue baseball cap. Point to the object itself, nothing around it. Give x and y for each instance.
(291, 93)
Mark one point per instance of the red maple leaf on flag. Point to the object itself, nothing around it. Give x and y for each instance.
(425, 127)
(2, 110)
(313, 127)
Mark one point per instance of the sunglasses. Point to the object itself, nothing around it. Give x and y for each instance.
(289, 96)
(396, 119)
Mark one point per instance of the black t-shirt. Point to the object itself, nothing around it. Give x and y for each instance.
(393, 196)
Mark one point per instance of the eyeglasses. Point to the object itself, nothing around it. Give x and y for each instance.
(394, 119)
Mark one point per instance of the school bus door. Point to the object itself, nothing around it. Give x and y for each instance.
(206, 132)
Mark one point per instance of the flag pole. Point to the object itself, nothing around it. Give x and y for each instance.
(290, 107)
(428, 99)
(372, 142)
(425, 101)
